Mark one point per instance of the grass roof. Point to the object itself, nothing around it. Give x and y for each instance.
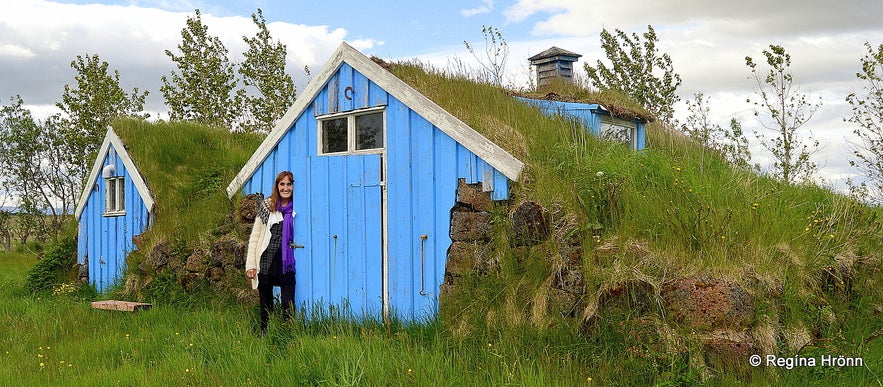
(186, 167)
(687, 202)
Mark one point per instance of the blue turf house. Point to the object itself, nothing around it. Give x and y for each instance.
(115, 206)
(376, 166)
(597, 119)
(557, 63)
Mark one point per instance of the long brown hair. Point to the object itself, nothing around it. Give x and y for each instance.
(274, 197)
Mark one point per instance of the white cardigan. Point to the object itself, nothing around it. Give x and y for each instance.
(258, 242)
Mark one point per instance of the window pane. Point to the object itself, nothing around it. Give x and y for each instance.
(111, 195)
(369, 131)
(617, 133)
(334, 135)
(121, 199)
(618, 129)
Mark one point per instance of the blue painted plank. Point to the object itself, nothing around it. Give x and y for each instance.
(398, 213)
(320, 103)
(373, 264)
(318, 260)
(360, 93)
(333, 93)
(501, 187)
(345, 76)
(377, 96)
(423, 236)
(283, 156)
(355, 234)
(303, 205)
(257, 180)
(308, 138)
(466, 165)
(337, 187)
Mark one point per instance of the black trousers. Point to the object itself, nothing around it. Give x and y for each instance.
(266, 283)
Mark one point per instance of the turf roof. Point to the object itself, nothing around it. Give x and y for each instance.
(185, 166)
(617, 103)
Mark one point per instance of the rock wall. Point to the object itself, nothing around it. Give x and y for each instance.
(721, 312)
(220, 263)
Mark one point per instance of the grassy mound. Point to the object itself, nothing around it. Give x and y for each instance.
(809, 258)
(187, 167)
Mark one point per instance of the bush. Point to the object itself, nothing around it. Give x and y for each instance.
(55, 265)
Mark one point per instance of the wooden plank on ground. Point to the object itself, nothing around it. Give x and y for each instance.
(125, 306)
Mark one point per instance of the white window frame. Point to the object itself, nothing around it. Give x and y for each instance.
(351, 132)
(609, 123)
(117, 191)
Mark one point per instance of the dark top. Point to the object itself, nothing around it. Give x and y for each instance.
(271, 261)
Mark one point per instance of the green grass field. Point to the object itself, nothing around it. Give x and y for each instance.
(58, 339)
(61, 340)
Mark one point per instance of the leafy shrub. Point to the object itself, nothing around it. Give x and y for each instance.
(55, 265)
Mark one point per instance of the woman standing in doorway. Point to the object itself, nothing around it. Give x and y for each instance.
(270, 258)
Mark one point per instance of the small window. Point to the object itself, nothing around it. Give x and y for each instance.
(369, 131)
(618, 129)
(115, 197)
(353, 132)
(334, 135)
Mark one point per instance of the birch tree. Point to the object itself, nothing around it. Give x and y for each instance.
(867, 112)
(33, 171)
(730, 142)
(637, 69)
(269, 90)
(783, 109)
(203, 89)
(90, 105)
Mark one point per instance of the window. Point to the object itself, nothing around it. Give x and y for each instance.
(618, 129)
(369, 131)
(115, 196)
(334, 135)
(352, 132)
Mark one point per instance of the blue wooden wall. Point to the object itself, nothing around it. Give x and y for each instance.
(106, 240)
(339, 207)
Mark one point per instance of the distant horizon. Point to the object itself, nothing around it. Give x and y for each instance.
(14, 210)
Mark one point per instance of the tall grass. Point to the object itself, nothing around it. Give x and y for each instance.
(55, 340)
(682, 199)
(690, 211)
(60, 340)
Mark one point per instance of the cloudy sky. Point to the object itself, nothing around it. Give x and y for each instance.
(707, 41)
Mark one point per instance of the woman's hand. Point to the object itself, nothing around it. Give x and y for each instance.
(250, 273)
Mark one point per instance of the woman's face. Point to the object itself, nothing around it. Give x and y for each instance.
(284, 188)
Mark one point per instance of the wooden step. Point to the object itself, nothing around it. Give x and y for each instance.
(125, 306)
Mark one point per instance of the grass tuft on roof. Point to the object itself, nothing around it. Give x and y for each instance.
(186, 167)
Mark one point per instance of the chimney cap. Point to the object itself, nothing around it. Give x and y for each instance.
(554, 52)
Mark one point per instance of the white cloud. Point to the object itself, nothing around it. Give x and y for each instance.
(708, 43)
(13, 51)
(39, 39)
(486, 7)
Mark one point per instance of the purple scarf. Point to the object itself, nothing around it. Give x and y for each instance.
(287, 236)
